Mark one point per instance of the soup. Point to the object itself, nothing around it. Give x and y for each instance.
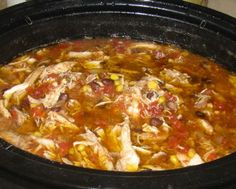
(118, 104)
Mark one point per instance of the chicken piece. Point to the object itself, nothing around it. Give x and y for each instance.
(21, 117)
(129, 160)
(104, 157)
(202, 99)
(55, 120)
(143, 45)
(186, 161)
(206, 126)
(3, 110)
(174, 76)
(142, 150)
(34, 75)
(91, 78)
(21, 141)
(150, 129)
(84, 54)
(47, 143)
(196, 160)
(57, 68)
(19, 90)
(52, 97)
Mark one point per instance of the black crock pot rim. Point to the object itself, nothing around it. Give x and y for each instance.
(224, 22)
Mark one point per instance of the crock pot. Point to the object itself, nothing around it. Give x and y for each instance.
(39, 23)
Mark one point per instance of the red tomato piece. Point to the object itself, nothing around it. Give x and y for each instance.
(219, 105)
(64, 147)
(38, 111)
(41, 90)
(13, 114)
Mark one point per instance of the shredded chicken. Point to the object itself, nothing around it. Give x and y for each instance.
(57, 68)
(103, 154)
(143, 45)
(202, 99)
(85, 54)
(18, 90)
(150, 129)
(21, 117)
(206, 126)
(175, 76)
(3, 110)
(51, 98)
(129, 160)
(186, 161)
(48, 143)
(21, 141)
(55, 120)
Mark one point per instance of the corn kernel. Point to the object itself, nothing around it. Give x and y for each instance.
(117, 82)
(114, 77)
(131, 167)
(87, 89)
(71, 151)
(119, 88)
(161, 100)
(101, 133)
(83, 153)
(174, 160)
(31, 60)
(170, 60)
(185, 53)
(37, 134)
(191, 153)
(81, 147)
(152, 85)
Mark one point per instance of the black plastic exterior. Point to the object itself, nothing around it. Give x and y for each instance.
(38, 23)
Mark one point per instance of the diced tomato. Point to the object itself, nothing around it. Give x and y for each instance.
(219, 105)
(212, 156)
(77, 45)
(173, 142)
(29, 90)
(175, 122)
(170, 97)
(62, 46)
(174, 55)
(38, 111)
(119, 46)
(53, 75)
(64, 147)
(155, 109)
(108, 89)
(79, 118)
(100, 122)
(13, 114)
(183, 149)
(40, 91)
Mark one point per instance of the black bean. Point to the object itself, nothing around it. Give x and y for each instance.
(95, 86)
(107, 81)
(200, 114)
(206, 80)
(150, 95)
(56, 109)
(156, 121)
(63, 96)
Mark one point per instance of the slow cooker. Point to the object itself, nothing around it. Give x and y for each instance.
(38, 23)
